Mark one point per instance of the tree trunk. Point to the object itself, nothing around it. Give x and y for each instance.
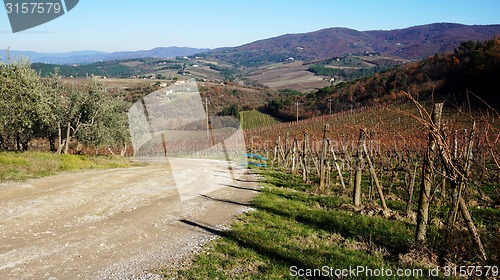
(18, 143)
(52, 143)
(426, 184)
(443, 184)
(124, 149)
(59, 139)
(2, 143)
(459, 200)
(457, 192)
(164, 143)
(25, 145)
(68, 139)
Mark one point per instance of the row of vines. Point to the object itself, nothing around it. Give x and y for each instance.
(427, 166)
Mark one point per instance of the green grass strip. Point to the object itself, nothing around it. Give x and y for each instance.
(16, 166)
(291, 229)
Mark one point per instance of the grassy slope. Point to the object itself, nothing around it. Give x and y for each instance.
(20, 166)
(292, 226)
(256, 119)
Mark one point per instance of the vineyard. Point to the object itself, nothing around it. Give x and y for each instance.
(389, 127)
(433, 166)
(256, 119)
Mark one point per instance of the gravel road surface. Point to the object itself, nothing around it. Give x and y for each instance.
(119, 223)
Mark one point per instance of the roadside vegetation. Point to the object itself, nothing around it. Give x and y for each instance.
(385, 151)
(32, 107)
(17, 166)
(296, 227)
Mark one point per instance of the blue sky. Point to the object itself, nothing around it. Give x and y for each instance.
(119, 25)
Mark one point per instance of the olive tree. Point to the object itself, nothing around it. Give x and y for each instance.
(34, 107)
(23, 104)
(93, 117)
(110, 127)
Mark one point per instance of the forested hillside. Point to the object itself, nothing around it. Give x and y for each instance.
(413, 43)
(468, 75)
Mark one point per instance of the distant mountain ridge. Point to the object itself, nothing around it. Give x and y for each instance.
(84, 57)
(412, 43)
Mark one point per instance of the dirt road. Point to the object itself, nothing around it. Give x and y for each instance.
(115, 224)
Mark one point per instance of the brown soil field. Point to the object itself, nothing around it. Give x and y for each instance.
(289, 76)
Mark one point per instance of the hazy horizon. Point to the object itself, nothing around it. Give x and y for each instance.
(113, 26)
(174, 46)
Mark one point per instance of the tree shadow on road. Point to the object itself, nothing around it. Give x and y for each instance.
(224, 200)
(205, 228)
(241, 188)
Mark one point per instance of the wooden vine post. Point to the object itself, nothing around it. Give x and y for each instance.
(410, 191)
(304, 158)
(322, 164)
(294, 155)
(457, 198)
(359, 169)
(276, 158)
(374, 176)
(428, 166)
(339, 171)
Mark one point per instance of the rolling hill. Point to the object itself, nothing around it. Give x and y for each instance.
(466, 77)
(305, 62)
(85, 57)
(412, 43)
